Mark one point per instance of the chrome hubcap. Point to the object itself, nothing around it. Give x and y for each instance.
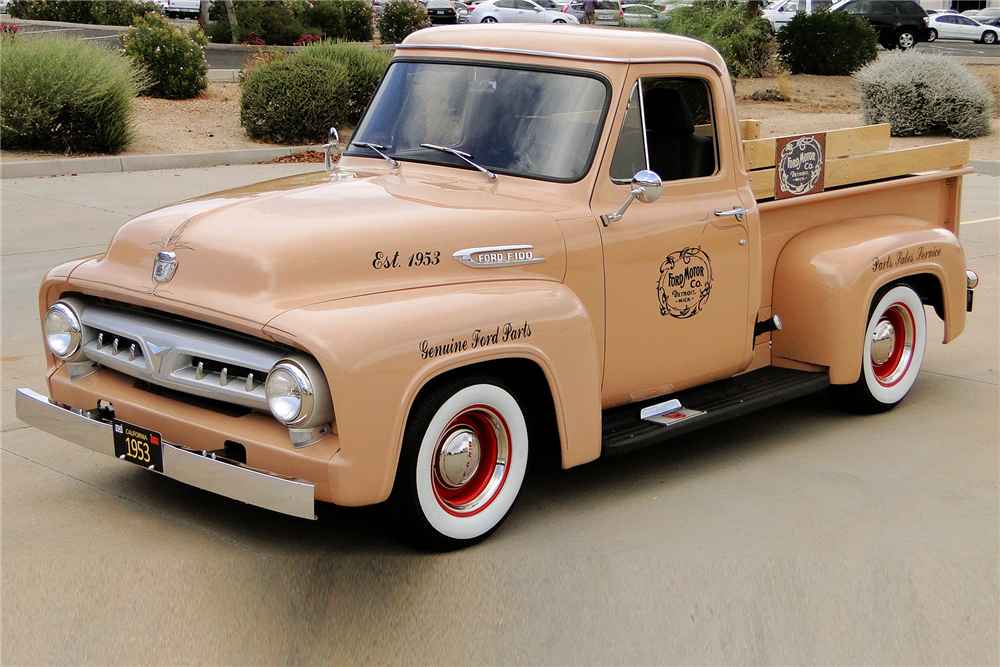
(883, 342)
(471, 461)
(892, 344)
(458, 458)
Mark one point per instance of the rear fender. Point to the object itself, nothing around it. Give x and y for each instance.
(379, 351)
(826, 278)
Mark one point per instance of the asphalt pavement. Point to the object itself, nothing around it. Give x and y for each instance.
(795, 535)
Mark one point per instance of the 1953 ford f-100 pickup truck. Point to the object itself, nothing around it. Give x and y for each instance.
(538, 238)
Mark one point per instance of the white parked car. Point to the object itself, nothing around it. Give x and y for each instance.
(778, 14)
(516, 11)
(182, 9)
(955, 26)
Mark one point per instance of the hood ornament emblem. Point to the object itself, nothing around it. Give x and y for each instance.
(164, 266)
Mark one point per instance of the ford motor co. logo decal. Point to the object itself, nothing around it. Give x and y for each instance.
(799, 165)
(685, 283)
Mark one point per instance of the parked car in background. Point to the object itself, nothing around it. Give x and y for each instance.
(442, 11)
(988, 13)
(940, 11)
(516, 11)
(778, 14)
(609, 12)
(462, 9)
(899, 23)
(182, 9)
(955, 26)
(638, 15)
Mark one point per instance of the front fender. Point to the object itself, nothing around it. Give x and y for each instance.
(378, 351)
(826, 278)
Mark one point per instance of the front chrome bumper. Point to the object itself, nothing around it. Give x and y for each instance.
(200, 469)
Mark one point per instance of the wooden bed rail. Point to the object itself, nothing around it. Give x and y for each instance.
(853, 155)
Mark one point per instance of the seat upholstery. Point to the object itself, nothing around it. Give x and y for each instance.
(675, 151)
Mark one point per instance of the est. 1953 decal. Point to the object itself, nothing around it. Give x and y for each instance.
(477, 339)
(685, 283)
(385, 260)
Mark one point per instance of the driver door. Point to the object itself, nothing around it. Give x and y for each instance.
(676, 273)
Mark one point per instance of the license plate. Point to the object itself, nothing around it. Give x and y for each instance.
(138, 445)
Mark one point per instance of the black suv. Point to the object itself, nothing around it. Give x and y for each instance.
(899, 23)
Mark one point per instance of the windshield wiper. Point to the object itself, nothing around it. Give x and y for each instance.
(376, 147)
(465, 156)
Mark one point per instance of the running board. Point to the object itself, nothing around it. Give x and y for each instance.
(639, 425)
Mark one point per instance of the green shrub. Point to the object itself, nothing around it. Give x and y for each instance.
(399, 18)
(742, 38)
(294, 100)
(358, 20)
(170, 55)
(920, 93)
(278, 23)
(365, 68)
(97, 12)
(65, 95)
(827, 43)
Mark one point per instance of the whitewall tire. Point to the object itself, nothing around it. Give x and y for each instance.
(894, 344)
(464, 457)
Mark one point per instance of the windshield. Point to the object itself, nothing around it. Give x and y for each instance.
(512, 121)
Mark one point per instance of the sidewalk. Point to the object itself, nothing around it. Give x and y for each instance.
(122, 163)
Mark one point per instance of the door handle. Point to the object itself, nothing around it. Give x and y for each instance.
(740, 213)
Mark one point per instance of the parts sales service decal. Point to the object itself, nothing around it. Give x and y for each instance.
(685, 283)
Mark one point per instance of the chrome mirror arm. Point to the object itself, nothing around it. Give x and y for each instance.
(646, 187)
(331, 145)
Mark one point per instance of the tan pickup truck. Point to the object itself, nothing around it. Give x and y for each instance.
(539, 238)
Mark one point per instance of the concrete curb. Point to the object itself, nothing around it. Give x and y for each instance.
(121, 163)
(988, 167)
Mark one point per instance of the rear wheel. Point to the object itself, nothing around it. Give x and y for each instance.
(932, 35)
(893, 351)
(465, 452)
(905, 39)
(489, 19)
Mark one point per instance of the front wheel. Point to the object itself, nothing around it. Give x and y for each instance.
(893, 351)
(989, 38)
(906, 39)
(559, 21)
(932, 35)
(464, 455)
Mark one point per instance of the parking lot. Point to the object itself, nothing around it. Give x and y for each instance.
(796, 535)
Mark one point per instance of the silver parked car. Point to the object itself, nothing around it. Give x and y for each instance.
(516, 11)
(955, 26)
(638, 15)
(609, 12)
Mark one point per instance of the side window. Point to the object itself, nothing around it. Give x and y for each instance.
(668, 128)
(506, 4)
(859, 8)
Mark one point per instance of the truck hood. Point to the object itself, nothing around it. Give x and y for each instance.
(252, 253)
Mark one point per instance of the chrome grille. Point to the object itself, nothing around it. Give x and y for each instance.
(180, 355)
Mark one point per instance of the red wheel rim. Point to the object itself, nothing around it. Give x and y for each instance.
(892, 344)
(470, 492)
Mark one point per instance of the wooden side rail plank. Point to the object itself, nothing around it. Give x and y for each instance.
(876, 166)
(749, 129)
(759, 154)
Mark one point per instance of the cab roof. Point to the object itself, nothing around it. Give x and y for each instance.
(574, 42)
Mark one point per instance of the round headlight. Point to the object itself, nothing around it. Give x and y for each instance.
(289, 393)
(62, 330)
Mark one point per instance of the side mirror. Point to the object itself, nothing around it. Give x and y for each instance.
(647, 186)
(330, 146)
